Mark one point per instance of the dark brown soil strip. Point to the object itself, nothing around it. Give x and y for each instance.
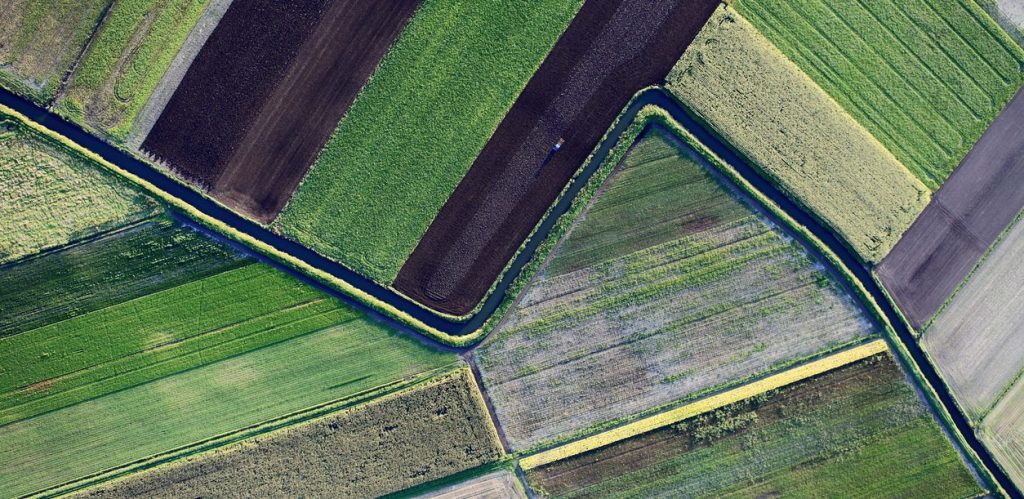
(224, 89)
(611, 50)
(965, 217)
(254, 110)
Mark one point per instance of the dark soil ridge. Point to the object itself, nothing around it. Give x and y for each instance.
(611, 50)
(964, 218)
(254, 111)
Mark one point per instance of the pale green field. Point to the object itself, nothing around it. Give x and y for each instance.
(766, 108)
(49, 197)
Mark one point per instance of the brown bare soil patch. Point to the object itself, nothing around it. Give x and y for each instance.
(612, 49)
(964, 218)
(265, 93)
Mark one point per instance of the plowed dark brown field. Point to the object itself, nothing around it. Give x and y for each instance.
(267, 90)
(965, 217)
(611, 50)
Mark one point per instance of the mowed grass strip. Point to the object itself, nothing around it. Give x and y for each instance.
(857, 431)
(129, 54)
(926, 77)
(50, 196)
(766, 108)
(156, 335)
(178, 410)
(667, 287)
(425, 433)
(417, 127)
(39, 41)
(120, 266)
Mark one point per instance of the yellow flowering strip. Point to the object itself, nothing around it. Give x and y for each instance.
(711, 403)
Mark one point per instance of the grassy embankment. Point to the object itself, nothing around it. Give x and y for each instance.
(858, 430)
(128, 57)
(416, 128)
(926, 77)
(766, 108)
(666, 288)
(50, 197)
(430, 431)
(40, 40)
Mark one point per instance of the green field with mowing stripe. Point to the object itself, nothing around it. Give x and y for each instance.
(926, 77)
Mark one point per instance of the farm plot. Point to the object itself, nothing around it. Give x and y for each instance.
(612, 49)
(977, 341)
(857, 431)
(417, 126)
(335, 363)
(965, 217)
(120, 266)
(156, 335)
(926, 77)
(125, 61)
(501, 484)
(40, 40)
(1002, 430)
(765, 107)
(272, 118)
(666, 288)
(385, 446)
(50, 196)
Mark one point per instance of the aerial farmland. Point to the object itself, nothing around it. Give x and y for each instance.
(511, 248)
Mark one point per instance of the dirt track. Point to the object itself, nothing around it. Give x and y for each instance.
(964, 218)
(254, 111)
(612, 49)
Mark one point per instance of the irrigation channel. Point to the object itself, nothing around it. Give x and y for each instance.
(653, 96)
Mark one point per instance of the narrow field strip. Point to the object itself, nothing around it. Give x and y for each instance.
(711, 403)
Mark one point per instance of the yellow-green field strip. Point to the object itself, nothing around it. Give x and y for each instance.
(711, 403)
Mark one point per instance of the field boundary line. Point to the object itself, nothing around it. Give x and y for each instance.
(775, 381)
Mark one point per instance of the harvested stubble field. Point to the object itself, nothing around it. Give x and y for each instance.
(387, 445)
(611, 50)
(926, 77)
(117, 267)
(125, 61)
(40, 41)
(977, 341)
(668, 286)
(416, 128)
(764, 106)
(157, 335)
(497, 485)
(965, 217)
(1002, 430)
(50, 196)
(335, 363)
(278, 125)
(859, 431)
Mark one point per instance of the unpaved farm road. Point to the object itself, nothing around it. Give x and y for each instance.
(655, 97)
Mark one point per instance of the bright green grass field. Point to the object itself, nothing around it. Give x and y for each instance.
(926, 77)
(120, 266)
(156, 335)
(417, 127)
(126, 60)
(178, 410)
(49, 196)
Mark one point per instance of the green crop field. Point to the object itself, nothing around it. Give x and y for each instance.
(766, 108)
(126, 61)
(427, 432)
(49, 196)
(41, 39)
(117, 267)
(667, 287)
(417, 127)
(859, 431)
(178, 410)
(156, 335)
(926, 77)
